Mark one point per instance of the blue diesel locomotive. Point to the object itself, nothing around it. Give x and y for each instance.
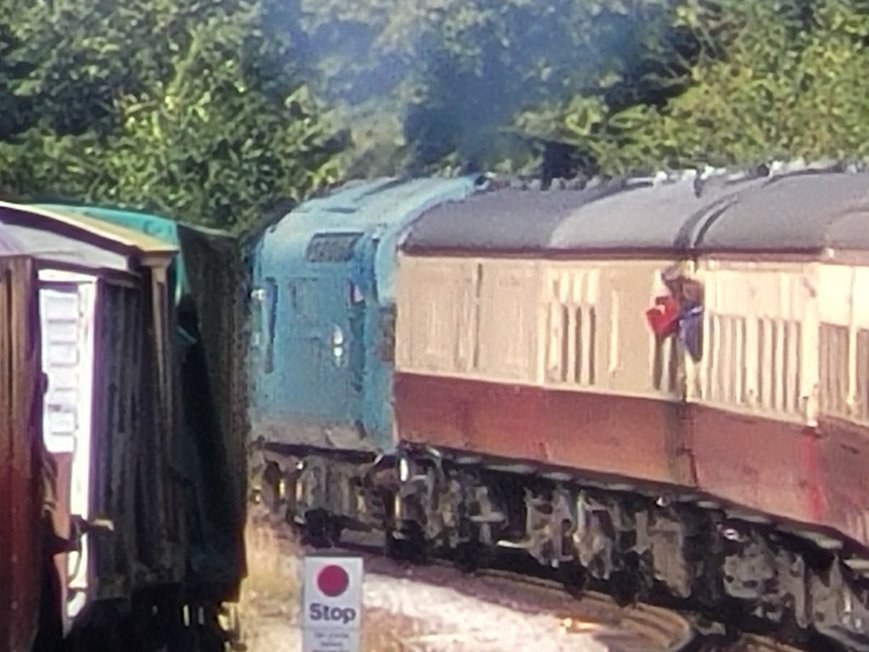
(320, 360)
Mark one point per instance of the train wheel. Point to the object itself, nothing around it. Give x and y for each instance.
(201, 630)
(104, 632)
(574, 578)
(233, 628)
(270, 487)
(212, 637)
(471, 555)
(467, 556)
(321, 530)
(625, 587)
(632, 582)
(410, 544)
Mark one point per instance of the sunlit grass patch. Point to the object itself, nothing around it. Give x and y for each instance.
(273, 565)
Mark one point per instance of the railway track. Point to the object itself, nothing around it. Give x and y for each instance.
(632, 628)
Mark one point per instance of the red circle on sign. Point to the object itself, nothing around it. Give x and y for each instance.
(333, 581)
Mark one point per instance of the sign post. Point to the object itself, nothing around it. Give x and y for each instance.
(332, 603)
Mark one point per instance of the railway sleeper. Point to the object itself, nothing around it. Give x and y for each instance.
(639, 546)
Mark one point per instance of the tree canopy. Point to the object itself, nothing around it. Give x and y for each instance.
(622, 85)
(210, 110)
(773, 80)
(437, 83)
(187, 107)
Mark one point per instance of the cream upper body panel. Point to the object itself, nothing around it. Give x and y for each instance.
(761, 338)
(578, 292)
(594, 334)
(468, 317)
(844, 341)
(568, 325)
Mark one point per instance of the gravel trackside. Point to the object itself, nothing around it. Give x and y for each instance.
(415, 609)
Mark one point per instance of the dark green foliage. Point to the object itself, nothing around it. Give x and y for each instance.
(626, 84)
(774, 79)
(206, 109)
(185, 107)
(439, 83)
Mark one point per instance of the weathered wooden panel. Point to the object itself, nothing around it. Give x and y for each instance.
(20, 456)
(136, 469)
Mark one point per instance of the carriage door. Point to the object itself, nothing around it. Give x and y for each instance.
(67, 306)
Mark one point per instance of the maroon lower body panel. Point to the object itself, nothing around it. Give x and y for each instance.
(803, 475)
(841, 455)
(610, 435)
(759, 463)
(807, 475)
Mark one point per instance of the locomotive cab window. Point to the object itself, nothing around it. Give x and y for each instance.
(331, 247)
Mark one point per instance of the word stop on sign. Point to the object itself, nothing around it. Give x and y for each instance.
(332, 603)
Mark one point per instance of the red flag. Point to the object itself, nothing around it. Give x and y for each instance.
(664, 317)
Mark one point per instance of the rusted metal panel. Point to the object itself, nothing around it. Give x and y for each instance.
(760, 463)
(840, 457)
(806, 475)
(123, 416)
(20, 456)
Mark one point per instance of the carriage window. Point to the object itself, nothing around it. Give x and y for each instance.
(862, 389)
(572, 344)
(834, 357)
(331, 247)
(586, 344)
